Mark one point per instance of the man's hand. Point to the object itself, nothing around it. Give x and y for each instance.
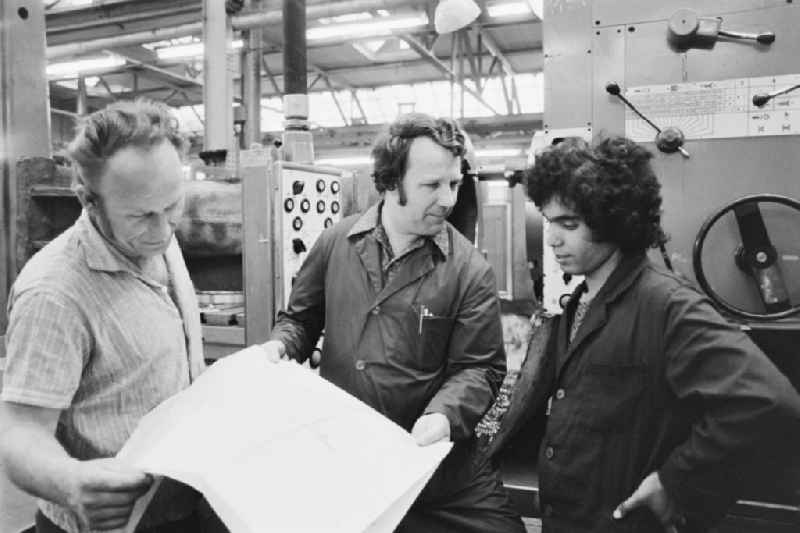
(431, 428)
(275, 350)
(651, 493)
(102, 493)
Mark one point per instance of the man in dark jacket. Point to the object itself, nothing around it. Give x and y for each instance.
(411, 319)
(648, 403)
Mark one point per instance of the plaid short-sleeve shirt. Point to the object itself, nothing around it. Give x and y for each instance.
(90, 335)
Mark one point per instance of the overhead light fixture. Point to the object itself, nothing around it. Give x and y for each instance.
(74, 69)
(498, 152)
(72, 83)
(185, 51)
(72, 4)
(452, 15)
(348, 17)
(509, 9)
(371, 28)
(345, 161)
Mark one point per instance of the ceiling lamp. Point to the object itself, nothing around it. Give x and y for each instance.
(452, 15)
(73, 69)
(365, 29)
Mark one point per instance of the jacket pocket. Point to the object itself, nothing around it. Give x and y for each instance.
(610, 395)
(434, 339)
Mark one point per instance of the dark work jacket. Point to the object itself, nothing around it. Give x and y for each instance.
(378, 346)
(655, 380)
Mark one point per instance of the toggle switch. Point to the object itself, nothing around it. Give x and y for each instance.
(321, 206)
(297, 223)
(328, 222)
(305, 205)
(320, 185)
(288, 205)
(335, 187)
(334, 207)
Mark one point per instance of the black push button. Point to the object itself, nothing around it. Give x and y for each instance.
(299, 246)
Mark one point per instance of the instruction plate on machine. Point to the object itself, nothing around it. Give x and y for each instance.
(715, 109)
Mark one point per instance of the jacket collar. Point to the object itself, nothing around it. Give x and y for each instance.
(628, 269)
(372, 217)
(623, 276)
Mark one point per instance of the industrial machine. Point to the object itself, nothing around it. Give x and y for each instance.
(709, 91)
(245, 238)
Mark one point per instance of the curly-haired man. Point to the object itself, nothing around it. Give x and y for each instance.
(645, 403)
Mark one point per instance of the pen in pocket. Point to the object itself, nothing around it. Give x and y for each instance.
(423, 312)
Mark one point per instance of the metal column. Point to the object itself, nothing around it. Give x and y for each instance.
(24, 117)
(298, 143)
(217, 79)
(251, 79)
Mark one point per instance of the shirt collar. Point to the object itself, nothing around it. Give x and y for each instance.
(372, 217)
(99, 253)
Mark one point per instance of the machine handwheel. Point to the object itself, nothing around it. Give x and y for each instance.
(756, 256)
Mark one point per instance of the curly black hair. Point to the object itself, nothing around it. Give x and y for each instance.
(611, 186)
(390, 151)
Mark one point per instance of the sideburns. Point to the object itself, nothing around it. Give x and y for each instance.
(401, 192)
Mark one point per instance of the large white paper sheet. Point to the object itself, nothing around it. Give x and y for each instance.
(274, 447)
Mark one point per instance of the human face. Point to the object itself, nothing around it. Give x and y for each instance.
(141, 195)
(431, 182)
(571, 240)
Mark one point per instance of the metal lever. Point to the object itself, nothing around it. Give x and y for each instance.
(761, 99)
(766, 37)
(688, 30)
(668, 140)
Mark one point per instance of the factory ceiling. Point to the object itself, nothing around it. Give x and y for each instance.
(141, 49)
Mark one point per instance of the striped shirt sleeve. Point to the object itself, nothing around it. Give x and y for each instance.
(47, 346)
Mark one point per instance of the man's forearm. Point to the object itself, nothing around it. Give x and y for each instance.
(36, 462)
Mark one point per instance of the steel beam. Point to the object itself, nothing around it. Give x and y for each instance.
(494, 49)
(239, 22)
(173, 77)
(270, 77)
(105, 85)
(427, 55)
(374, 75)
(336, 101)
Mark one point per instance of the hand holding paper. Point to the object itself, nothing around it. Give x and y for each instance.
(247, 434)
(104, 491)
(430, 428)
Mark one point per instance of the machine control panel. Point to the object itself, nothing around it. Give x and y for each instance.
(310, 201)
